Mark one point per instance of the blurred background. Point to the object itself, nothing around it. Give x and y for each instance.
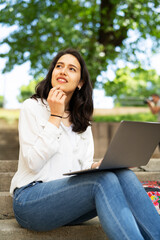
(119, 40)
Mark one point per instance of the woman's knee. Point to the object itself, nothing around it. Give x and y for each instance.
(107, 179)
(125, 173)
(126, 176)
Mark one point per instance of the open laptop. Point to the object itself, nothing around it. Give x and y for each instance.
(132, 146)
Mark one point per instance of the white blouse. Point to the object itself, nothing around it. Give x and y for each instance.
(46, 152)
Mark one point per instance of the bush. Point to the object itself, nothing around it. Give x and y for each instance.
(142, 117)
(1, 101)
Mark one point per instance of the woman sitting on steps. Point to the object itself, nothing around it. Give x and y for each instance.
(55, 137)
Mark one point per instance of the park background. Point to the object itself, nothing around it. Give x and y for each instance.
(119, 41)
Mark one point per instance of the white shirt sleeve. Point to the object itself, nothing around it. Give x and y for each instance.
(38, 143)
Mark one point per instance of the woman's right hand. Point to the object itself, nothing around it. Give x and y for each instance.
(56, 100)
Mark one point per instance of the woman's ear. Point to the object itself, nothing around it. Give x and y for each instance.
(80, 84)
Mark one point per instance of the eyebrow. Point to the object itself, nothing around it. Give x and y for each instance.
(69, 64)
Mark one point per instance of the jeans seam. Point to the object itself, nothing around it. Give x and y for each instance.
(142, 225)
(112, 213)
(59, 191)
(82, 184)
(44, 198)
(145, 230)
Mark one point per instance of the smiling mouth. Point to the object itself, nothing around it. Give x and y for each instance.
(62, 80)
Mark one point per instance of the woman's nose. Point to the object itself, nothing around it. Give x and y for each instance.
(63, 70)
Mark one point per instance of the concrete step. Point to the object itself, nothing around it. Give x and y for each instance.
(153, 165)
(8, 165)
(148, 176)
(9, 143)
(6, 209)
(5, 181)
(91, 230)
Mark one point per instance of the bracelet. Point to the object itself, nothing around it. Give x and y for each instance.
(56, 115)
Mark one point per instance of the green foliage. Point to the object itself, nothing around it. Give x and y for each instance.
(1, 101)
(27, 91)
(145, 117)
(96, 28)
(12, 115)
(134, 85)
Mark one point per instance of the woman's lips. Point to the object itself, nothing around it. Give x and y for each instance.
(62, 80)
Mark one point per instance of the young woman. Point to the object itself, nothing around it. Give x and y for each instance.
(55, 137)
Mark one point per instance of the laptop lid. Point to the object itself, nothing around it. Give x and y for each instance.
(132, 146)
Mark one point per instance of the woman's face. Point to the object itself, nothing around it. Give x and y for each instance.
(67, 74)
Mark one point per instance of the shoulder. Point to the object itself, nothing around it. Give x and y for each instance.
(33, 104)
(35, 108)
(29, 103)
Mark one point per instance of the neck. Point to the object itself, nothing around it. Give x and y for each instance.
(67, 103)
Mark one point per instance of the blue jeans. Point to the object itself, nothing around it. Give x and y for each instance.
(118, 198)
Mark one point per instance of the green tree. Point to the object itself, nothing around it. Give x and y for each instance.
(97, 28)
(27, 91)
(131, 86)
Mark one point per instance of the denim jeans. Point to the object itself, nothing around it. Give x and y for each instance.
(118, 198)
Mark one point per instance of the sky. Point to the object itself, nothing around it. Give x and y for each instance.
(10, 83)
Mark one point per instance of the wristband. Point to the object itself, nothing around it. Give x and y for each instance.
(56, 115)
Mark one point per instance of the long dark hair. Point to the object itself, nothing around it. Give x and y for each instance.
(81, 103)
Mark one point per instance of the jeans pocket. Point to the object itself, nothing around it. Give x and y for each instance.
(18, 191)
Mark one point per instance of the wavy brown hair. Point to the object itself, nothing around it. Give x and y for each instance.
(81, 103)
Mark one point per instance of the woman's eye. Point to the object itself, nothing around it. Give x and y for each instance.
(58, 66)
(73, 69)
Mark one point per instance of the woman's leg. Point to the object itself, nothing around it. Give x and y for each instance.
(113, 210)
(140, 204)
(49, 205)
(84, 218)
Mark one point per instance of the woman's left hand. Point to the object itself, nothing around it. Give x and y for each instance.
(96, 164)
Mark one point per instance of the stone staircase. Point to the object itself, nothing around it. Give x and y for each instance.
(10, 230)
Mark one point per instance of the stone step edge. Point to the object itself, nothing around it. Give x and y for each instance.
(10, 230)
(8, 165)
(6, 208)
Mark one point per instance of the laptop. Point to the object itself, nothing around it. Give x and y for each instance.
(132, 146)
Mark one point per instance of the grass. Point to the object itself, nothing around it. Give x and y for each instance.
(12, 115)
(146, 117)
(9, 115)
